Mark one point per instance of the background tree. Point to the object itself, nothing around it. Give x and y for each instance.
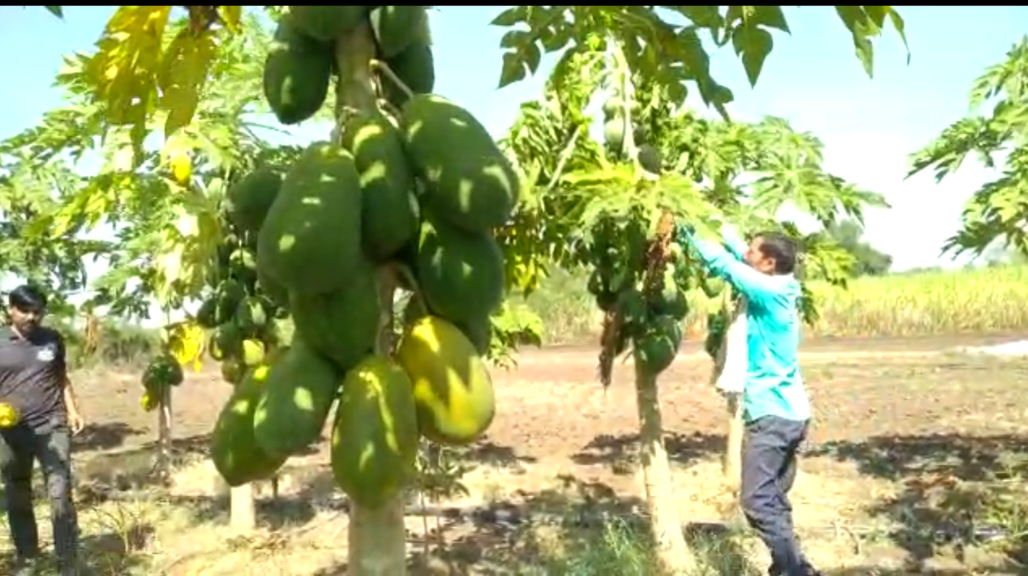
(868, 260)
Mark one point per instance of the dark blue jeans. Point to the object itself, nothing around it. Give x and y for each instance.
(53, 450)
(769, 452)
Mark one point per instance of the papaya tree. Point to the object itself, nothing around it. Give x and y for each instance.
(611, 223)
(164, 211)
(997, 212)
(616, 207)
(750, 171)
(378, 65)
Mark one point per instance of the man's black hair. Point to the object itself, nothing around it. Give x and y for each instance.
(782, 248)
(27, 298)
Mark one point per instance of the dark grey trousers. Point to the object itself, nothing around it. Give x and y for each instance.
(769, 452)
(53, 450)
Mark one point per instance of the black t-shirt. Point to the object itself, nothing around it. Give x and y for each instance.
(32, 376)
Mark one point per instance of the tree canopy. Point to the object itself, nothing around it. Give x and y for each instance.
(996, 134)
(868, 260)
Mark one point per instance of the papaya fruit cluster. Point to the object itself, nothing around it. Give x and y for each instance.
(645, 302)
(161, 372)
(411, 201)
(299, 68)
(242, 317)
(616, 119)
(717, 321)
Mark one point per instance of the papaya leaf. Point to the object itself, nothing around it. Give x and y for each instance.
(752, 44)
(184, 69)
(121, 72)
(231, 17)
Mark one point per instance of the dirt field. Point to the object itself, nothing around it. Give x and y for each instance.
(911, 449)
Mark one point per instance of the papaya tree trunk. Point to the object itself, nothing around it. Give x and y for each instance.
(242, 516)
(164, 431)
(673, 556)
(377, 538)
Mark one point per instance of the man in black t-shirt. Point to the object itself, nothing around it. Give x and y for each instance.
(34, 379)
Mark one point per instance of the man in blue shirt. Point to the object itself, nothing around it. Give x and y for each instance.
(776, 407)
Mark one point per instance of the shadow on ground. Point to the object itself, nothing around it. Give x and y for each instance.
(957, 492)
(301, 493)
(578, 526)
(109, 552)
(619, 452)
(104, 436)
(486, 452)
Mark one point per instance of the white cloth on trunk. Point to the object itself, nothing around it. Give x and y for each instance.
(733, 356)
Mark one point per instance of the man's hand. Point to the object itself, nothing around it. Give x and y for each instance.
(76, 422)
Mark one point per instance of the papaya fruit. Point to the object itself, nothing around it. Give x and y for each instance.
(297, 73)
(650, 159)
(461, 274)
(227, 341)
(614, 134)
(669, 300)
(251, 315)
(298, 395)
(656, 349)
(234, 449)
(472, 185)
(389, 210)
(207, 313)
(248, 200)
(479, 332)
(395, 27)
(232, 370)
(326, 23)
(415, 67)
(253, 352)
(310, 242)
(712, 286)
(375, 433)
(242, 266)
(9, 415)
(162, 370)
(717, 329)
(606, 301)
(342, 325)
(613, 108)
(228, 295)
(453, 392)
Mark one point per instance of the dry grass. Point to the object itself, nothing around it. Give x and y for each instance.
(980, 301)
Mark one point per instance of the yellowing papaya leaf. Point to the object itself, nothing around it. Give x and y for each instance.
(182, 74)
(123, 70)
(181, 167)
(186, 249)
(185, 342)
(175, 158)
(231, 17)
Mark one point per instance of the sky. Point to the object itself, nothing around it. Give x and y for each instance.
(812, 78)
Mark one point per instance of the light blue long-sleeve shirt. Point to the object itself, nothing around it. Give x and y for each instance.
(774, 386)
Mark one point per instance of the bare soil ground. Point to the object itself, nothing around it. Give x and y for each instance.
(911, 450)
